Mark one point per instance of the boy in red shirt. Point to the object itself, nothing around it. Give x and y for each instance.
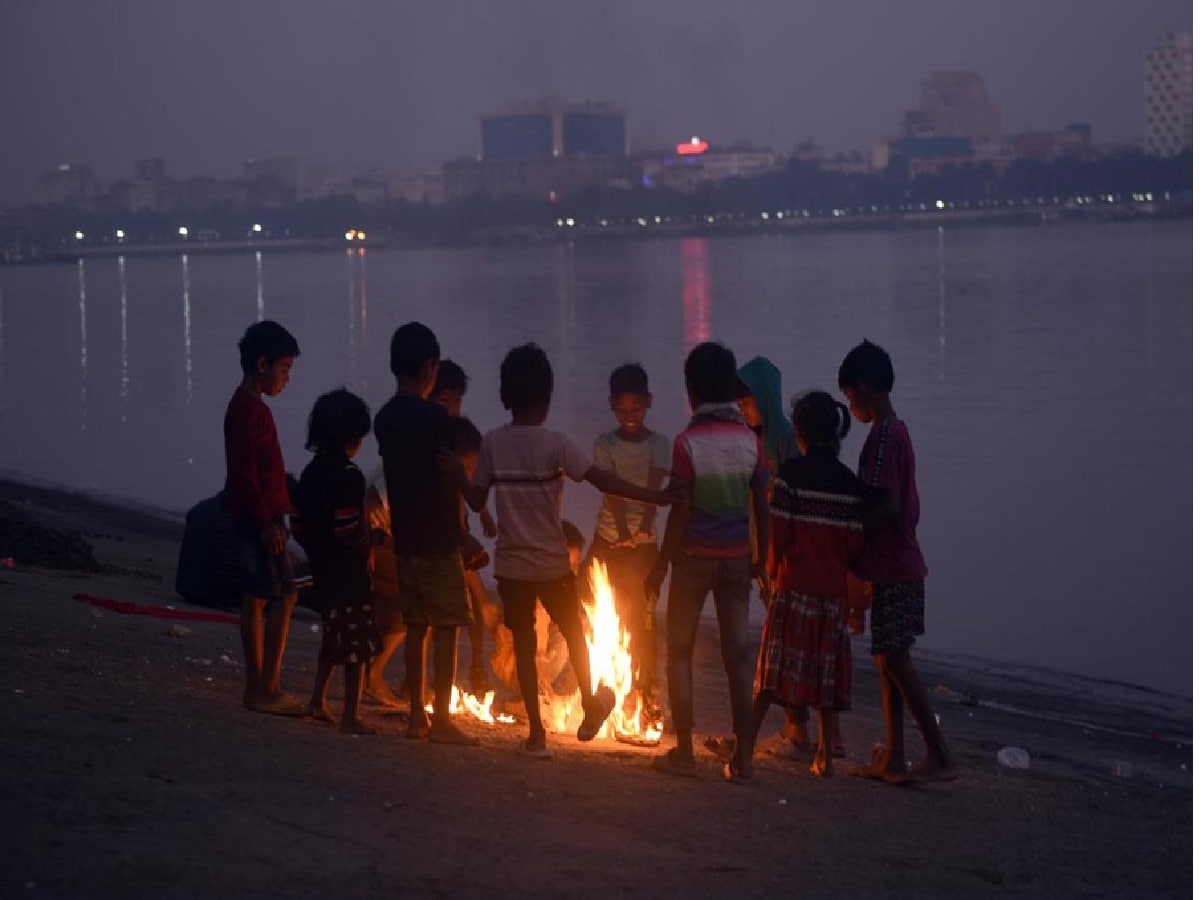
(893, 564)
(256, 488)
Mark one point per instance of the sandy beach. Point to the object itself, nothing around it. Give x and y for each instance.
(131, 770)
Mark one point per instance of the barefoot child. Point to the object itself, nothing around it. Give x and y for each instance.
(332, 528)
(525, 463)
(722, 464)
(625, 538)
(256, 488)
(816, 536)
(893, 563)
(427, 528)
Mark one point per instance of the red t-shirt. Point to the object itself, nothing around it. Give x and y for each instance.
(891, 554)
(255, 480)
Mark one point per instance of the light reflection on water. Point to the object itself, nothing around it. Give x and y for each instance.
(1044, 374)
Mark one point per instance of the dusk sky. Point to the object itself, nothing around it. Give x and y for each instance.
(398, 86)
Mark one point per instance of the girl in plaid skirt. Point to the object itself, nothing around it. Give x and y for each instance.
(816, 537)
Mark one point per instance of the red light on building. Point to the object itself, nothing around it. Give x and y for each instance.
(694, 147)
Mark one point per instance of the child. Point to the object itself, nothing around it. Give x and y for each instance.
(427, 531)
(525, 463)
(256, 488)
(816, 535)
(625, 538)
(332, 528)
(707, 543)
(892, 562)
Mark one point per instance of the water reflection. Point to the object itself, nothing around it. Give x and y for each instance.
(187, 330)
(83, 346)
(697, 296)
(1, 354)
(941, 277)
(258, 287)
(124, 335)
(352, 354)
(362, 291)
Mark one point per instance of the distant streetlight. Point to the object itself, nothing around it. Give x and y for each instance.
(350, 234)
(256, 228)
(361, 235)
(79, 235)
(120, 234)
(183, 232)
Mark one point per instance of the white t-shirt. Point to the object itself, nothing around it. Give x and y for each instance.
(523, 466)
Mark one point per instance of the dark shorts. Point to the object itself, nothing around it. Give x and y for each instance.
(897, 616)
(433, 591)
(559, 597)
(262, 575)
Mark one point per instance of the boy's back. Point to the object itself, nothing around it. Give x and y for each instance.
(891, 553)
(722, 460)
(524, 465)
(424, 504)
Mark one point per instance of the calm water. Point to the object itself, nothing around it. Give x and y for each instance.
(1045, 374)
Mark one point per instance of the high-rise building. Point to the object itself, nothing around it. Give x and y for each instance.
(69, 185)
(1167, 93)
(955, 103)
(553, 128)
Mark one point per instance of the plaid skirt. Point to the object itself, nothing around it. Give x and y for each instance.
(804, 659)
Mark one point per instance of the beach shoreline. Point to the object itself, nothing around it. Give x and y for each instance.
(131, 770)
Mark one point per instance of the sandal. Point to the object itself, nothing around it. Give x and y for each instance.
(672, 764)
(601, 705)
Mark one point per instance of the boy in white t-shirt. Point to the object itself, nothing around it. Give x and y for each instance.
(525, 463)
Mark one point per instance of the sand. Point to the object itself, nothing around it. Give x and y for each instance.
(130, 770)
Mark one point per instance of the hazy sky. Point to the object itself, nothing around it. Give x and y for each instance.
(398, 84)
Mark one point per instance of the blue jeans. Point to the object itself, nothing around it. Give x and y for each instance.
(728, 580)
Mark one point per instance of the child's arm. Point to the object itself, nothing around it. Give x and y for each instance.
(649, 511)
(882, 505)
(762, 522)
(350, 527)
(611, 483)
(672, 540)
(241, 442)
(449, 463)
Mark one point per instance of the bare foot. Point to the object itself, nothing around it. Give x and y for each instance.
(418, 727)
(383, 695)
(821, 768)
(357, 726)
(320, 713)
(882, 768)
(442, 732)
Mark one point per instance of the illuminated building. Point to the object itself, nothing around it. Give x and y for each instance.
(1167, 95)
(694, 161)
(955, 103)
(553, 128)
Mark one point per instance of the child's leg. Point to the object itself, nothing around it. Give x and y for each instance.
(445, 658)
(414, 665)
(893, 719)
(351, 723)
(731, 596)
(252, 629)
(937, 762)
(822, 763)
(316, 705)
(762, 705)
(519, 599)
(691, 579)
(279, 620)
(478, 595)
(375, 686)
(561, 602)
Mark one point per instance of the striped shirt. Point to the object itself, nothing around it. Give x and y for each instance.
(722, 462)
(524, 465)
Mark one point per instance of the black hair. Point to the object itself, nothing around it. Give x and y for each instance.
(710, 373)
(867, 365)
(821, 420)
(450, 377)
(338, 419)
(265, 340)
(413, 345)
(630, 378)
(573, 535)
(464, 436)
(526, 379)
(743, 390)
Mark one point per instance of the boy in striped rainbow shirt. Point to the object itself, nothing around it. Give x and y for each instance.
(707, 544)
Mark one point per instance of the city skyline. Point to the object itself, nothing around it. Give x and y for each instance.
(375, 88)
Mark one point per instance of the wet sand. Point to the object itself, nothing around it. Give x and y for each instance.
(130, 770)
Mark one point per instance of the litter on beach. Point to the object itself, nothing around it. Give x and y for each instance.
(1013, 758)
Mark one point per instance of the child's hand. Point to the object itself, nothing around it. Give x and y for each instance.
(654, 579)
(273, 539)
(676, 492)
(488, 523)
